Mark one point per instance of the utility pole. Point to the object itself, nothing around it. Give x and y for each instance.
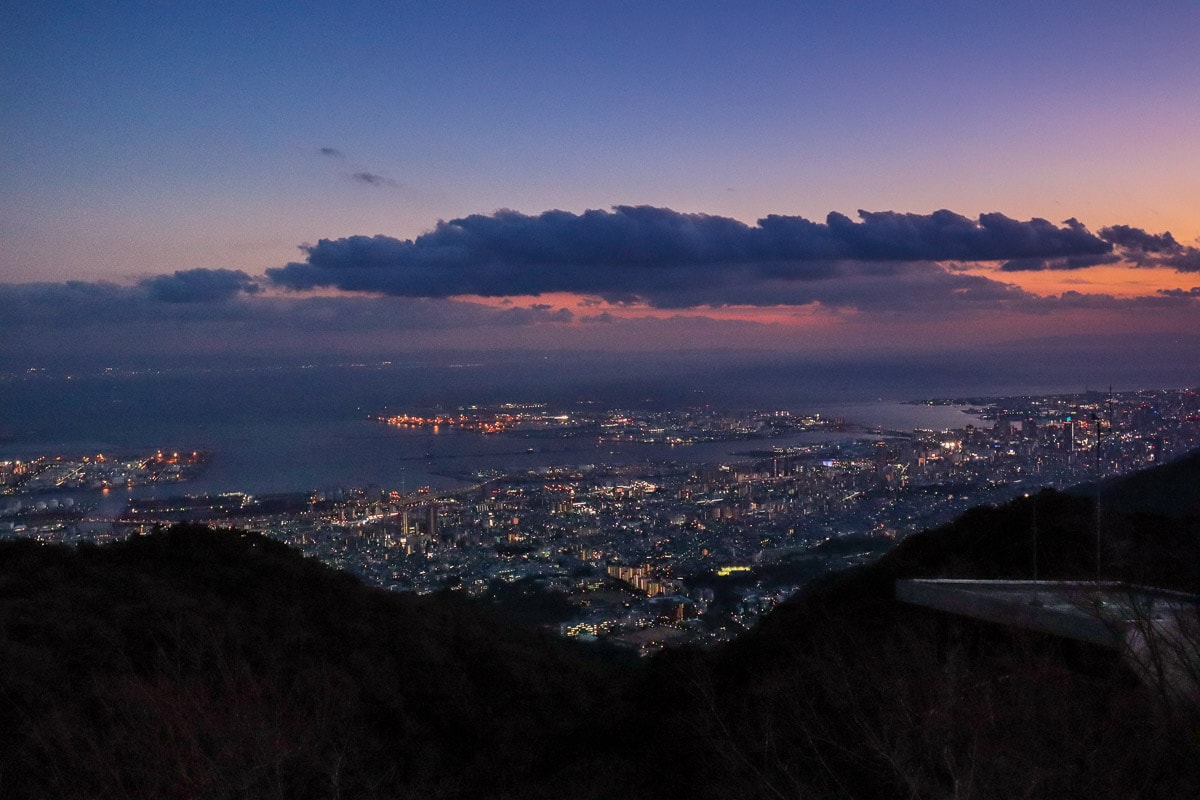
(1037, 600)
(1096, 419)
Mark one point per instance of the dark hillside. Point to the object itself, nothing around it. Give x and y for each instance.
(200, 663)
(844, 692)
(1172, 489)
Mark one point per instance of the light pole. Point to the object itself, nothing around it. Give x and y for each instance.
(1037, 600)
(1099, 475)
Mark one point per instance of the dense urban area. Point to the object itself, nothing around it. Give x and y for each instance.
(645, 555)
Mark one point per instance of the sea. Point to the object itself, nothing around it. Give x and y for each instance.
(272, 428)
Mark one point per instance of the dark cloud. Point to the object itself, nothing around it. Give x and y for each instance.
(945, 236)
(371, 179)
(82, 320)
(56, 305)
(184, 297)
(359, 175)
(1137, 239)
(1069, 263)
(603, 318)
(80, 304)
(1152, 250)
(73, 305)
(199, 286)
(1130, 245)
(671, 259)
(1024, 265)
(1187, 260)
(534, 314)
(1080, 262)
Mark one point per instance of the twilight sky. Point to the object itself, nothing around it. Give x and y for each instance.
(815, 178)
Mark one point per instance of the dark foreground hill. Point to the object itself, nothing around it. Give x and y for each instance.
(198, 663)
(194, 663)
(845, 692)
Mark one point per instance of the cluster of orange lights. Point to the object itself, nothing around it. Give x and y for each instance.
(174, 458)
(490, 424)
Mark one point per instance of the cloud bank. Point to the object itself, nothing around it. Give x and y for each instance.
(199, 286)
(231, 299)
(670, 259)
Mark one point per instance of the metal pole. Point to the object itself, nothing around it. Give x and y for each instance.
(1096, 419)
(1037, 601)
